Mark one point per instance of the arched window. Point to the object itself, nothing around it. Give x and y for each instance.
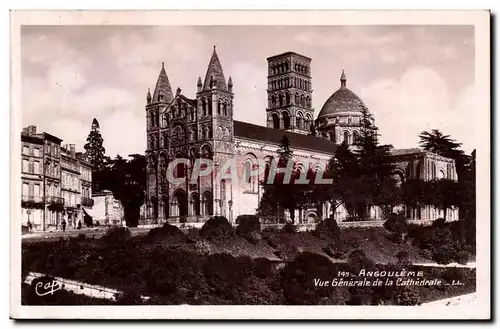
(208, 204)
(224, 108)
(286, 120)
(204, 106)
(441, 174)
(209, 107)
(332, 136)
(297, 99)
(355, 137)
(206, 152)
(276, 121)
(219, 107)
(433, 170)
(280, 97)
(195, 201)
(250, 181)
(302, 101)
(308, 102)
(273, 101)
(299, 121)
(191, 114)
(287, 98)
(346, 137)
(181, 203)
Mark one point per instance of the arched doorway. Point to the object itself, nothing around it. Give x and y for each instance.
(208, 204)
(195, 201)
(181, 202)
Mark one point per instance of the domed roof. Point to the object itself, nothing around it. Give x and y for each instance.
(343, 100)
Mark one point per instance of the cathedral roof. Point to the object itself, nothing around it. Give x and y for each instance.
(214, 74)
(343, 100)
(270, 135)
(163, 87)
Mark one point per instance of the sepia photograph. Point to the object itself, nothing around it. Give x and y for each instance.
(255, 164)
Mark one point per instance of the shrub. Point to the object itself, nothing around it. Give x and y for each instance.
(396, 223)
(128, 297)
(289, 228)
(440, 222)
(407, 296)
(298, 280)
(116, 236)
(170, 271)
(327, 228)
(403, 257)
(217, 227)
(462, 257)
(262, 268)
(249, 228)
(225, 274)
(357, 260)
(203, 247)
(167, 231)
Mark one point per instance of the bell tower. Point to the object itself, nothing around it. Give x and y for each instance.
(289, 92)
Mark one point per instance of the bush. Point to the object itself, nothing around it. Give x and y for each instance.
(116, 236)
(226, 274)
(298, 280)
(217, 227)
(289, 228)
(440, 222)
(262, 268)
(357, 260)
(249, 228)
(407, 296)
(128, 297)
(462, 257)
(403, 258)
(327, 228)
(396, 223)
(203, 247)
(167, 231)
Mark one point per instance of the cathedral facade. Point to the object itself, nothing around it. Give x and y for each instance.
(182, 130)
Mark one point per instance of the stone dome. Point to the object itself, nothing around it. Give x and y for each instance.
(341, 101)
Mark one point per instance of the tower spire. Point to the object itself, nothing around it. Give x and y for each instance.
(343, 79)
(215, 75)
(163, 90)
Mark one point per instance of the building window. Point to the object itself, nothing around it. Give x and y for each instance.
(286, 120)
(26, 150)
(26, 188)
(346, 137)
(37, 151)
(36, 167)
(276, 121)
(25, 165)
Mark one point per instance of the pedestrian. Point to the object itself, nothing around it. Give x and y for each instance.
(79, 224)
(63, 224)
(30, 226)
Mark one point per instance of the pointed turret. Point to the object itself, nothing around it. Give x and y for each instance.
(148, 97)
(215, 76)
(343, 79)
(199, 84)
(230, 84)
(163, 90)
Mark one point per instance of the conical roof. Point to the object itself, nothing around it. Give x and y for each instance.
(163, 87)
(214, 75)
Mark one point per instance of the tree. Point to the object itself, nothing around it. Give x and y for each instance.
(126, 178)
(437, 142)
(374, 180)
(94, 149)
(282, 194)
(442, 194)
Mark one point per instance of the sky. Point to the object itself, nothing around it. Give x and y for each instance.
(411, 78)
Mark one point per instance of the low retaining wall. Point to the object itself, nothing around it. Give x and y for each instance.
(80, 288)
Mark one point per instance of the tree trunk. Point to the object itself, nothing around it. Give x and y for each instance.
(292, 215)
(445, 211)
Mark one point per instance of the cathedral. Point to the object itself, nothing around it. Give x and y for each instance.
(179, 127)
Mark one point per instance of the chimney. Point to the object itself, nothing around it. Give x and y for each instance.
(30, 130)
